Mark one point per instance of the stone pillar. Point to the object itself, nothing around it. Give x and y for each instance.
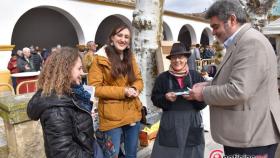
(24, 137)
(5, 54)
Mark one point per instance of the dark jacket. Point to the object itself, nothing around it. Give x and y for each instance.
(166, 82)
(181, 131)
(208, 54)
(37, 61)
(67, 128)
(21, 62)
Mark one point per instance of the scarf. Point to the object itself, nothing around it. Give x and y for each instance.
(181, 73)
(82, 95)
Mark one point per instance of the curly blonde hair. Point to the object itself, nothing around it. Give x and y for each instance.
(56, 75)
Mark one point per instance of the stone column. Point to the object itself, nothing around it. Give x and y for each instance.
(5, 54)
(24, 137)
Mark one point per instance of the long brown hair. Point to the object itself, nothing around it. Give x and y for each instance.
(56, 74)
(120, 67)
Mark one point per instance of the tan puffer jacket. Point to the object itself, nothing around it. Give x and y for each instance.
(114, 108)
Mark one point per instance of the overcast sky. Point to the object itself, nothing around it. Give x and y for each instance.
(187, 6)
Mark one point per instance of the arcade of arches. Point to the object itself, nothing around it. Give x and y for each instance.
(48, 27)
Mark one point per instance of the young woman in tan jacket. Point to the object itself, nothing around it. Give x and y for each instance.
(118, 82)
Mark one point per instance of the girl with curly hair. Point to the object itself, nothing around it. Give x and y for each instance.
(63, 107)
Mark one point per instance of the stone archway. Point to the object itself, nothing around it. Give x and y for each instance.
(106, 26)
(187, 36)
(206, 37)
(46, 27)
(167, 34)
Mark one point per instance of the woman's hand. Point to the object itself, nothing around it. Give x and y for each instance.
(135, 93)
(131, 92)
(171, 96)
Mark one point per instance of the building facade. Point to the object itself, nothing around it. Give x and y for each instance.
(47, 23)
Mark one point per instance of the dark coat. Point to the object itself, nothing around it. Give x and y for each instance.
(181, 131)
(166, 82)
(67, 128)
(37, 61)
(21, 62)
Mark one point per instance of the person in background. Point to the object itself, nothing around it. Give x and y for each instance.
(208, 53)
(181, 131)
(37, 59)
(63, 107)
(88, 57)
(25, 63)
(82, 51)
(197, 52)
(32, 49)
(118, 82)
(19, 53)
(243, 98)
(45, 53)
(12, 67)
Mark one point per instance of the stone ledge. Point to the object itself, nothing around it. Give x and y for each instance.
(13, 108)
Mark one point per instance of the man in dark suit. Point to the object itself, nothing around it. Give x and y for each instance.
(243, 97)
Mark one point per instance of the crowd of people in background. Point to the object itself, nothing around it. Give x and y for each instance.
(31, 59)
(28, 59)
(201, 51)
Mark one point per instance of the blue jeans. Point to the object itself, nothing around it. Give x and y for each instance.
(130, 134)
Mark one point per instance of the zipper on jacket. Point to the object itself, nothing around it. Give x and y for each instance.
(80, 107)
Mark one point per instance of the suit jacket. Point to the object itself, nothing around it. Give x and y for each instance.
(243, 97)
(278, 61)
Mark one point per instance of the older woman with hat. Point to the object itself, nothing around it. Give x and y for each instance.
(181, 129)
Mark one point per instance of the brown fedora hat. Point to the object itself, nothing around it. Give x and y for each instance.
(178, 49)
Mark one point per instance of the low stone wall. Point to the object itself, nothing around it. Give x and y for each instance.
(23, 137)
